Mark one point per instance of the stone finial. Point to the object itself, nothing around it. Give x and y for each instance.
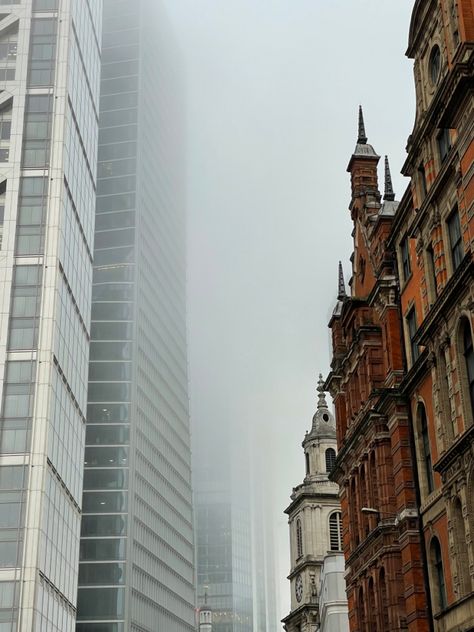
(321, 396)
(362, 139)
(389, 195)
(341, 290)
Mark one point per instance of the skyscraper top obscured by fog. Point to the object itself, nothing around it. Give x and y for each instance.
(49, 100)
(136, 570)
(234, 531)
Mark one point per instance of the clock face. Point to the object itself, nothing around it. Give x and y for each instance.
(299, 588)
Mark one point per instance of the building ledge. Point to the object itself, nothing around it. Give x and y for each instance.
(446, 300)
(458, 448)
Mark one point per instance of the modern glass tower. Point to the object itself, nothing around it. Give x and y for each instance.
(234, 544)
(136, 570)
(49, 103)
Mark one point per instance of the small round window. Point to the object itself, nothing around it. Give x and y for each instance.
(326, 417)
(435, 64)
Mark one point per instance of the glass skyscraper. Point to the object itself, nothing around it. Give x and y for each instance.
(234, 544)
(49, 103)
(136, 558)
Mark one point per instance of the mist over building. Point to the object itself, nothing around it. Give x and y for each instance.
(136, 569)
(49, 73)
(234, 525)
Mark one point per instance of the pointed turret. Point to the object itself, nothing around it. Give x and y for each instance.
(323, 424)
(389, 195)
(362, 149)
(362, 139)
(341, 290)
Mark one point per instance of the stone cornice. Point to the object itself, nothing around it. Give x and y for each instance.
(321, 497)
(458, 448)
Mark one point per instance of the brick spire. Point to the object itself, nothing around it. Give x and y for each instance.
(389, 193)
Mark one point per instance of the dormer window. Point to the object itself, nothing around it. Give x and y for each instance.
(435, 64)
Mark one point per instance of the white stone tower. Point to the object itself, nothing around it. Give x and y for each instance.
(314, 520)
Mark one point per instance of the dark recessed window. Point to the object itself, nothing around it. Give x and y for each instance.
(425, 440)
(435, 64)
(422, 173)
(455, 239)
(444, 144)
(468, 352)
(412, 327)
(405, 253)
(330, 459)
(335, 531)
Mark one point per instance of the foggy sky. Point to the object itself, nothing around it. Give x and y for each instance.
(273, 92)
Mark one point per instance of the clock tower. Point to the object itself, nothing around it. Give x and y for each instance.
(314, 518)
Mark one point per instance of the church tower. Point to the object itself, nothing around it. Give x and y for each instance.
(314, 518)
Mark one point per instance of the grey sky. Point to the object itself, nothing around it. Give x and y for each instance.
(273, 92)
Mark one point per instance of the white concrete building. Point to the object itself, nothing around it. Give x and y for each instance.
(49, 93)
(315, 532)
(333, 612)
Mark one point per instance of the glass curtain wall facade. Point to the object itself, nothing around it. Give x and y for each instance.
(136, 570)
(49, 103)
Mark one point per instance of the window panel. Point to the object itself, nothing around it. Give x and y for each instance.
(105, 479)
(103, 525)
(107, 435)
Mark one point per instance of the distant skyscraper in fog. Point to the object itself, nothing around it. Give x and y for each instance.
(49, 75)
(136, 570)
(234, 552)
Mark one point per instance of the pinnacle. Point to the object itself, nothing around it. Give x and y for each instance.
(341, 290)
(321, 396)
(389, 194)
(362, 139)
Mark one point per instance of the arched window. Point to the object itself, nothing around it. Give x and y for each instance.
(462, 561)
(384, 615)
(335, 531)
(307, 464)
(362, 617)
(468, 353)
(439, 596)
(330, 459)
(372, 609)
(426, 448)
(299, 539)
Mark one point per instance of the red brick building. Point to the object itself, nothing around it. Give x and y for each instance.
(375, 465)
(433, 234)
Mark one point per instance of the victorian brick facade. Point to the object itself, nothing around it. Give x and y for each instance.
(433, 235)
(403, 354)
(374, 468)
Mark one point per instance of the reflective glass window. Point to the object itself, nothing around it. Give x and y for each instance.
(104, 502)
(101, 574)
(106, 457)
(104, 603)
(103, 525)
(110, 371)
(105, 413)
(105, 479)
(97, 550)
(107, 435)
(111, 350)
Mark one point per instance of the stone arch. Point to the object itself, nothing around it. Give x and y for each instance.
(372, 606)
(335, 531)
(330, 456)
(423, 449)
(437, 575)
(384, 604)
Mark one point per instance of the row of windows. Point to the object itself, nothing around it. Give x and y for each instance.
(465, 349)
